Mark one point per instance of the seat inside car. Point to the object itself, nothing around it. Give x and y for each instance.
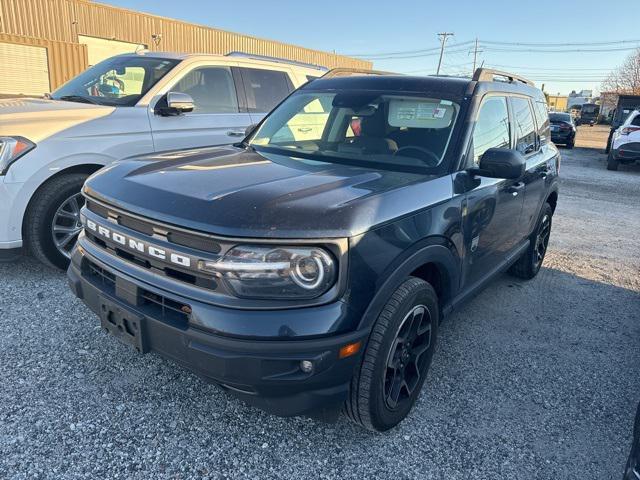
(372, 138)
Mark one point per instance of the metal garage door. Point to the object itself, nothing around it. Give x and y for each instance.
(23, 70)
(99, 49)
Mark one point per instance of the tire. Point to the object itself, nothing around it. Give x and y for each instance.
(528, 265)
(612, 163)
(44, 206)
(370, 403)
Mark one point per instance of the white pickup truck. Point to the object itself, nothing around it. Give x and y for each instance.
(127, 105)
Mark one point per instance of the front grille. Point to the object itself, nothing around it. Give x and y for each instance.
(150, 303)
(197, 241)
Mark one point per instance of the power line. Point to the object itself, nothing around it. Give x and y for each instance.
(562, 44)
(495, 46)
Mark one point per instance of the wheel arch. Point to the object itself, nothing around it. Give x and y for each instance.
(85, 168)
(552, 199)
(438, 264)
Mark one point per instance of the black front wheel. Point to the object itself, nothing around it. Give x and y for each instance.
(52, 223)
(397, 358)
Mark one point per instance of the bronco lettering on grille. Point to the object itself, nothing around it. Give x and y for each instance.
(138, 245)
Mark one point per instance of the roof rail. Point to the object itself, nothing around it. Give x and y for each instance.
(267, 58)
(488, 74)
(354, 72)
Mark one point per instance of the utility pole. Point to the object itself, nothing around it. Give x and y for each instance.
(443, 39)
(475, 56)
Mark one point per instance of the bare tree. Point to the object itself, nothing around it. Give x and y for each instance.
(626, 78)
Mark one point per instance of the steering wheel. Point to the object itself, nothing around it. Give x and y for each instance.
(425, 155)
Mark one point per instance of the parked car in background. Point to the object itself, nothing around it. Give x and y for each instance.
(632, 469)
(308, 267)
(126, 105)
(625, 106)
(625, 146)
(563, 130)
(588, 114)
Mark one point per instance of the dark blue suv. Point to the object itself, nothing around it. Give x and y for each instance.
(307, 269)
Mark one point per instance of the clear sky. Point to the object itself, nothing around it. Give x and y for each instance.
(376, 27)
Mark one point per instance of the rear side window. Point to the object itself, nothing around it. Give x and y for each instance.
(525, 127)
(542, 119)
(492, 127)
(211, 88)
(265, 88)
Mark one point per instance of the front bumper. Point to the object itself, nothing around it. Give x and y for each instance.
(265, 373)
(10, 215)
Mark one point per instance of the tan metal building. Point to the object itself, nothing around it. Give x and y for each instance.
(44, 43)
(557, 103)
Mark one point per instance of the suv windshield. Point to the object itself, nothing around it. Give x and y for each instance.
(117, 81)
(378, 129)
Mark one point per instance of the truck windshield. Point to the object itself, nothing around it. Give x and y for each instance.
(117, 81)
(378, 129)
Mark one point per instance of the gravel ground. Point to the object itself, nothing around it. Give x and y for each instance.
(531, 380)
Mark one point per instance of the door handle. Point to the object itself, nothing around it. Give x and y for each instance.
(231, 133)
(304, 129)
(515, 188)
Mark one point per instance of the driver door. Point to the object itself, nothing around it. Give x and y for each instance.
(492, 217)
(217, 118)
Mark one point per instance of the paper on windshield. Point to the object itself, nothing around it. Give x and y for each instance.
(414, 113)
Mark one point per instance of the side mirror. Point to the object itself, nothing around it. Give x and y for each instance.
(178, 102)
(249, 130)
(502, 163)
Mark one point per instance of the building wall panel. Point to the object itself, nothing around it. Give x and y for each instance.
(64, 20)
(66, 60)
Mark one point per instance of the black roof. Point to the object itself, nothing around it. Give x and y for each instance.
(450, 86)
(455, 86)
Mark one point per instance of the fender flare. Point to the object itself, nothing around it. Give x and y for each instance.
(441, 255)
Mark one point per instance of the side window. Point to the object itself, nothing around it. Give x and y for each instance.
(265, 88)
(492, 127)
(542, 119)
(211, 88)
(636, 121)
(525, 128)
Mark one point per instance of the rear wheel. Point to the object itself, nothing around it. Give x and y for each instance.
(528, 265)
(397, 358)
(612, 163)
(52, 224)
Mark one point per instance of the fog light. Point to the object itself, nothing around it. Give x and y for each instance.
(306, 366)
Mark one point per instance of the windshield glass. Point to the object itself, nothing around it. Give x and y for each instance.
(560, 117)
(117, 81)
(384, 130)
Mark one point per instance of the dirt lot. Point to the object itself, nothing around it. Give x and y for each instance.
(535, 380)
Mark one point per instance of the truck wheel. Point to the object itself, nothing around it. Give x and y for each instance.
(528, 265)
(52, 223)
(612, 163)
(397, 358)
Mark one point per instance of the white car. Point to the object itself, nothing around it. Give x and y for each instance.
(625, 145)
(127, 105)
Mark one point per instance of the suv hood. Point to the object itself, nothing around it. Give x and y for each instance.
(37, 118)
(233, 192)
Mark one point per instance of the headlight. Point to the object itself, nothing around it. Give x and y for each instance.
(268, 272)
(11, 149)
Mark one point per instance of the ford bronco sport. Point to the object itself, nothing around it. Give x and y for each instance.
(308, 267)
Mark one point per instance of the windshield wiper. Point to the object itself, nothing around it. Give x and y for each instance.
(78, 98)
